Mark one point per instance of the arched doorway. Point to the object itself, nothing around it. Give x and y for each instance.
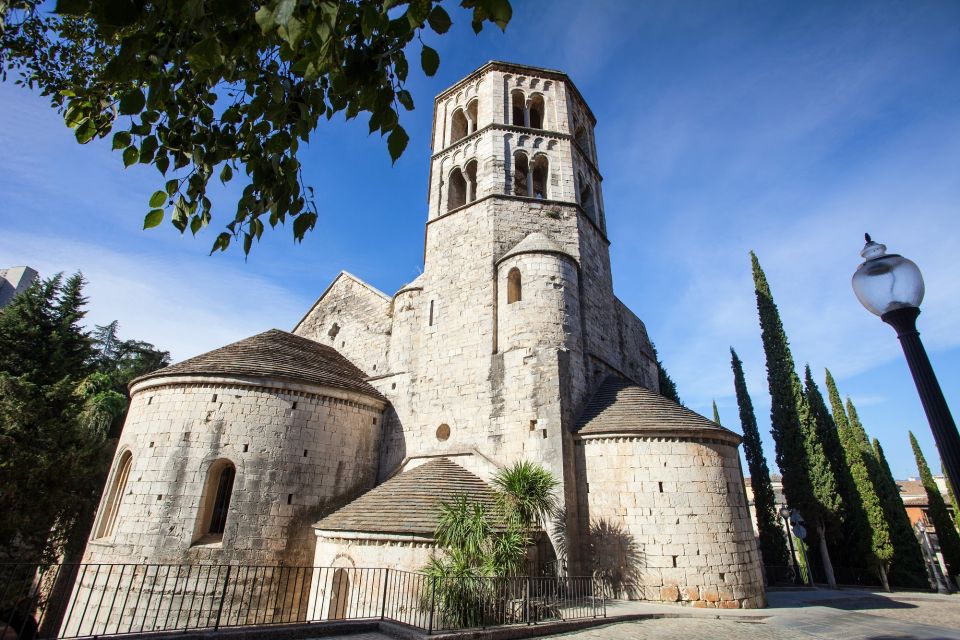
(339, 595)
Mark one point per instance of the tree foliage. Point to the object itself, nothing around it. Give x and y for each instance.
(808, 481)
(668, 388)
(773, 544)
(211, 89)
(937, 511)
(866, 531)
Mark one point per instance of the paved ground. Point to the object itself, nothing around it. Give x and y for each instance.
(793, 615)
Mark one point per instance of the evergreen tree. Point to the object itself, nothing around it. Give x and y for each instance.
(808, 481)
(937, 511)
(716, 414)
(909, 568)
(773, 545)
(866, 530)
(668, 388)
(952, 497)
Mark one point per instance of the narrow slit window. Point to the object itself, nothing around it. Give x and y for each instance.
(518, 103)
(536, 110)
(471, 177)
(221, 484)
(458, 126)
(521, 171)
(108, 520)
(514, 286)
(457, 194)
(541, 168)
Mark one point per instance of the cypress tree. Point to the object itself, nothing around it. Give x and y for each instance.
(773, 545)
(808, 481)
(668, 388)
(867, 532)
(952, 497)
(716, 414)
(937, 510)
(909, 569)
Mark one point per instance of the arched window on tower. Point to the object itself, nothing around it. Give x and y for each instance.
(514, 286)
(458, 126)
(471, 175)
(580, 135)
(457, 191)
(521, 171)
(472, 115)
(108, 517)
(536, 109)
(519, 104)
(587, 201)
(539, 173)
(215, 503)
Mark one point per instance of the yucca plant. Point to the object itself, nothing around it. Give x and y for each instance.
(526, 494)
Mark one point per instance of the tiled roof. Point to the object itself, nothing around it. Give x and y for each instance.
(912, 493)
(275, 354)
(620, 406)
(410, 502)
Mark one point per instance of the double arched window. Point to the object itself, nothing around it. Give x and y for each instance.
(111, 507)
(530, 179)
(463, 122)
(527, 113)
(215, 503)
(462, 185)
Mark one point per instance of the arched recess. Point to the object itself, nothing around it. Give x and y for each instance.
(587, 199)
(215, 502)
(519, 104)
(580, 135)
(339, 595)
(458, 126)
(471, 176)
(537, 110)
(457, 191)
(539, 173)
(521, 171)
(514, 286)
(472, 108)
(111, 507)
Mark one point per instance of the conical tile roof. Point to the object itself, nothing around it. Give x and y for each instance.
(275, 354)
(535, 242)
(410, 502)
(619, 406)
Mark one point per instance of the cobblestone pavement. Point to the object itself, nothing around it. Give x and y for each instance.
(686, 629)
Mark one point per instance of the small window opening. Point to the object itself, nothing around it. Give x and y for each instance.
(214, 398)
(294, 406)
(580, 135)
(334, 330)
(544, 434)
(471, 176)
(458, 126)
(108, 518)
(587, 201)
(374, 421)
(151, 445)
(289, 498)
(150, 400)
(536, 111)
(457, 194)
(674, 561)
(304, 453)
(660, 485)
(514, 287)
(246, 448)
(431, 324)
(533, 425)
(540, 172)
(221, 500)
(394, 384)
(521, 170)
(159, 496)
(519, 108)
(472, 115)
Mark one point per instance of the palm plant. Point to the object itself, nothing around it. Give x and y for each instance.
(526, 494)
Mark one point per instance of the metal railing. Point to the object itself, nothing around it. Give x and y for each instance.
(96, 600)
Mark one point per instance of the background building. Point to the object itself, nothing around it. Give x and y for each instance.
(13, 280)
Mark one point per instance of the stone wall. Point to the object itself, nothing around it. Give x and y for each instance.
(667, 520)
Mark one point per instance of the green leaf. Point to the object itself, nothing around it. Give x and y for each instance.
(121, 140)
(132, 102)
(226, 174)
(439, 20)
(158, 198)
(264, 18)
(397, 142)
(405, 99)
(205, 55)
(153, 218)
(86, 131)
(162, 163)
(303, 223)
(221, 243)
(196, 223)
(171, 186)
(130, 156)
(429, 60)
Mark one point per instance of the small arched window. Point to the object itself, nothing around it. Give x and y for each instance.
(108, 517)
(472, 108)
(539, 173)
(519, 103)
(471, 176)
(215, 505)
(457, 192)
(514, 286)
(537, 110)
(587, 200)
(521, 171)
(580, 135)
(458, 126)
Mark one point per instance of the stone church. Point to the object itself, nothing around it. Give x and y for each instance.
(331, 445)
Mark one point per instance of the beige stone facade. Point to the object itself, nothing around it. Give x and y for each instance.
(503, 349)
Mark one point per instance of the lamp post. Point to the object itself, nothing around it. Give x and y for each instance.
(891, 286)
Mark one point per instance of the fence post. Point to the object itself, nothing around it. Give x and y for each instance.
(433, 588)
(383, 604)
(526, 599)
(223, 596)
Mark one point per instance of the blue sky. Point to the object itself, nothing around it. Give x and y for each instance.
(783, 127)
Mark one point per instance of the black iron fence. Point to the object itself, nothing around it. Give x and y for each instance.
(88, 600)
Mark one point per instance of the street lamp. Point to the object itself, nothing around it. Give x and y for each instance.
(891, 286)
